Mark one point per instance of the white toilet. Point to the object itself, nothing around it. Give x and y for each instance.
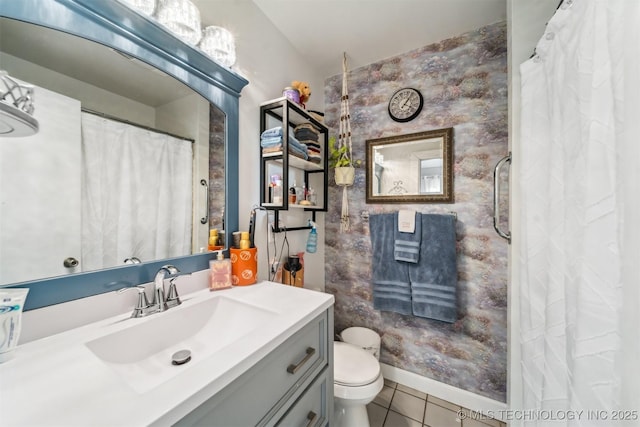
(357, 380)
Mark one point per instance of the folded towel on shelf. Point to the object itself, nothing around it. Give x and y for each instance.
(298, 151)
(270, 141)
(391, 288)
(312, 145)
(273, 149)
(315, 158)
(306, 134)
(434, 278)
(308, 126)
(298, 154)
(269, 133)
(297, 144)
(406, 246)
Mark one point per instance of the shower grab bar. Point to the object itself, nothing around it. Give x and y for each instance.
(205, 219)
(496, 198)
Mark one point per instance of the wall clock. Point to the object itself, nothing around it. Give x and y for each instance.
(405, 104)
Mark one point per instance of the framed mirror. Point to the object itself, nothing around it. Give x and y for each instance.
(102, 62)
(411, 168)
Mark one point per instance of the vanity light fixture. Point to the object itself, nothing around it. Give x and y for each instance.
(16, 108)
(182, 18)
(219, 44)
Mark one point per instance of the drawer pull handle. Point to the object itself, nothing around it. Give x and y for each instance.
(311, 416)
(292, 369)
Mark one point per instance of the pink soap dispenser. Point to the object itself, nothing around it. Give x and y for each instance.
(220, 274)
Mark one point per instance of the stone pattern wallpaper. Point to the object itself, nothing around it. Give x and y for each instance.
(464, 84)
(216, 166)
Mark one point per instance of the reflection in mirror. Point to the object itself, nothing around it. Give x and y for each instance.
(412, 168)
(114, 172)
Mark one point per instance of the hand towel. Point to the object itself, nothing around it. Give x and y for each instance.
(406, 246)
(391, 289)
(434, 278)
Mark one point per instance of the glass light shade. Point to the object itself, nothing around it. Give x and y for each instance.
(146, 7)
(182, 18)
(16, 108)
(219, 44)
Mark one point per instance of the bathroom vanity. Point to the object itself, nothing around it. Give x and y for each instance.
(261, 355)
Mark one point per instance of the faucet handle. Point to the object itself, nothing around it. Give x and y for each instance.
(143, 302)
(173, 299)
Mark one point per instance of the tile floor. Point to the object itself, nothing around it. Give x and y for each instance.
(400, 406)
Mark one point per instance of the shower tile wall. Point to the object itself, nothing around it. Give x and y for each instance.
(464, 84)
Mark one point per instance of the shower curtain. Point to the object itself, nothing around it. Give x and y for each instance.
(136, 193)
(580, 202)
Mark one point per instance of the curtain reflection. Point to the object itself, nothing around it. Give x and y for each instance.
(136, 194)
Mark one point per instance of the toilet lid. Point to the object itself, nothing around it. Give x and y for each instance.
(353, 366)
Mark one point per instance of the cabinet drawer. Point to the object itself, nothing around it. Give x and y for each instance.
(310, 410)
(261, 391)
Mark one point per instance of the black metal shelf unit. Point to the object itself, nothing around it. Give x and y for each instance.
(285, 113)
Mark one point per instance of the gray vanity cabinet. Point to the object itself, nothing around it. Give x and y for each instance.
(291, 386)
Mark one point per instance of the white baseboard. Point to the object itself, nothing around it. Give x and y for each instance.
(460, 397)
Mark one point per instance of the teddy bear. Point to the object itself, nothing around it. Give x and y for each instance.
(304, 90)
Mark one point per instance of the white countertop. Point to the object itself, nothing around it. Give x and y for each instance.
(58, 381)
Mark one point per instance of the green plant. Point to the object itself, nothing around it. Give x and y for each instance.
(339, 156)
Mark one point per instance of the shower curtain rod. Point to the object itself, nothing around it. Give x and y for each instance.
(117, 119)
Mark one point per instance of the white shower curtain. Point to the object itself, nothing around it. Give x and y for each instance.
(580, 204)
(136, 194)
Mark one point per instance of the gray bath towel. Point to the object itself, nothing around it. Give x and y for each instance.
(434, 277)
(406, 246)
(391, 289)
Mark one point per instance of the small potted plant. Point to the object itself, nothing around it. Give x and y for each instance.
(341, 162)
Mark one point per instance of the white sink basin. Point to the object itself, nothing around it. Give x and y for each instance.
(142, 353)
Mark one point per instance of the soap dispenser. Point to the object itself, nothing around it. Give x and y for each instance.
(312, 240)
(220, 274)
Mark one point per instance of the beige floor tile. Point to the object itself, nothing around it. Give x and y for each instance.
(443, 403)
(408, 405)
(377, 414)
(384, 397)
(412, 391)
(437, 416)
(390, 383)
(396, 420)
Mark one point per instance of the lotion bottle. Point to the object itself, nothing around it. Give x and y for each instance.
(220, 274)
(312, 240)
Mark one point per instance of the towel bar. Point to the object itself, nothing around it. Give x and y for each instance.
(496, 198)
(364, 215)
(205, 219)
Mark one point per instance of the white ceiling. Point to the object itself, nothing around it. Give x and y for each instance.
(371, 30)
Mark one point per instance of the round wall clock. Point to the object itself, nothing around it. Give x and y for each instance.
(405, 104)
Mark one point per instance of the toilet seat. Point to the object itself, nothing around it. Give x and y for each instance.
(353, 366)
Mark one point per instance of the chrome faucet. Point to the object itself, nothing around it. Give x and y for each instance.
(159, 302)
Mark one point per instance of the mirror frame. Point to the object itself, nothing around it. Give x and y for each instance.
(447, 168)
(113, 24)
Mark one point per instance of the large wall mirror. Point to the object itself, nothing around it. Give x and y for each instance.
(411, 168)
(134, 160)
